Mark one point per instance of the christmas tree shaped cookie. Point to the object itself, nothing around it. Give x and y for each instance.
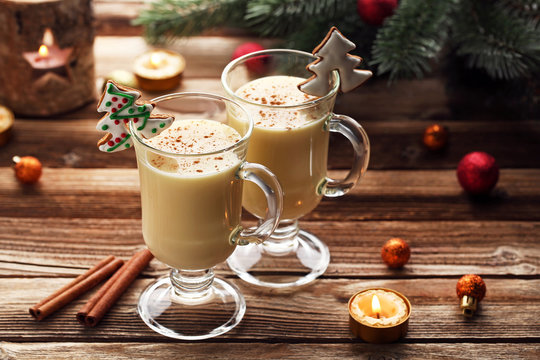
(122, 105)
(333, 54)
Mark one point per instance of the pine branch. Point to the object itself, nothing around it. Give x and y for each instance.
(412, 37)
(169, 18)
(311, 33)
(504, 45)
(525, 9)
(285, 17)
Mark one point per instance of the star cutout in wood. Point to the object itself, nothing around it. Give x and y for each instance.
(55, 61)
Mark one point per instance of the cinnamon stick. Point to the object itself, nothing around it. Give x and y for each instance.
(77, 287)
(94, 310)
(78, 279)
(83, 313)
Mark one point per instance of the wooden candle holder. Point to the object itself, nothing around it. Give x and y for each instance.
(30, 85)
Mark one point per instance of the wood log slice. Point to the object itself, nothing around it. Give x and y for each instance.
(29, 91)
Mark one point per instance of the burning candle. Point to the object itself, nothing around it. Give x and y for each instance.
(379, 315)
(49, 57)
(6, 124)
(159, 70)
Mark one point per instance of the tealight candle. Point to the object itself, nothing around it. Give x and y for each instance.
(6, 124)
(379, 315)
(159, 70)
(49, 58)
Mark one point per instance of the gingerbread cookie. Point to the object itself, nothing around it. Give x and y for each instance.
(122, 105)
(332, 54)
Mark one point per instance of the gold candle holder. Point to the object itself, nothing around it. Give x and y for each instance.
(6, 124)
(159, 70)
(370, 325)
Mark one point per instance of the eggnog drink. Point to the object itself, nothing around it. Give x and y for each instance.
(293, 143)
(191, 204)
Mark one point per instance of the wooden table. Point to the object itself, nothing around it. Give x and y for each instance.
(87, 205)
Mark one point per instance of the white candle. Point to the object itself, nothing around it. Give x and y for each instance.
(159, 70)
(379, 308)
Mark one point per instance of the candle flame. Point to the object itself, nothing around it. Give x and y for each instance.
(43, 51)
(376, 305)
(156, 59)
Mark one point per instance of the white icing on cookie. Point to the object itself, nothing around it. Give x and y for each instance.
(333, 54)
(121, 106)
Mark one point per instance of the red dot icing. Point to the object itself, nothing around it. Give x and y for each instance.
(120, 106)
(117, 140)
(114, 99)
(135, 120)
(110, 143)
(116, 121)
(124, 100)
(126, 121)
(123, 135)
(113, 110)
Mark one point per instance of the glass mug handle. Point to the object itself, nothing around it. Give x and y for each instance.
(353, 131)
(274, 198)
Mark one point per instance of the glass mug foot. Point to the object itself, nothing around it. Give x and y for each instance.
(211, 311)
(290, 257)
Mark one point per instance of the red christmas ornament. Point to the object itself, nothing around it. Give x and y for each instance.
(374, 12)
(470, 289)
(256, 65)
(27, 169)
(478, 173)
(395, 253)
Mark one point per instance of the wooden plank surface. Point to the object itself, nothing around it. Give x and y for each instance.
(314, 313)
(40, 247)
(394, 145)
(248, 350)
(381, 195)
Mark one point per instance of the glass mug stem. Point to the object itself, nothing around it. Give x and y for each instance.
(191, 284)
(356, 134)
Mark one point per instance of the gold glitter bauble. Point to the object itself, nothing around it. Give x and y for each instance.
(27, 169)
(395, 253)
(435, 137)
(471, 285)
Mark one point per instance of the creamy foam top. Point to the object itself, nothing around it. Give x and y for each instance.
(195, 137)
(276, 90)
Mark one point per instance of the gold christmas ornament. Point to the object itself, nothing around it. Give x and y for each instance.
(395, 253)
(470, 289)
(27, 169)
(435, 137)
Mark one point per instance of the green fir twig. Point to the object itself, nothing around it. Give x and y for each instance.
(167, 19)
(412, 38)
(497, 41)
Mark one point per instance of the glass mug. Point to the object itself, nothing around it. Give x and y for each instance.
(191, 219)
(298, 156)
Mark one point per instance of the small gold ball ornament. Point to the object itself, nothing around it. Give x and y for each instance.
(470, 289)
(27, 169)
(435, 137)
(395, 253)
